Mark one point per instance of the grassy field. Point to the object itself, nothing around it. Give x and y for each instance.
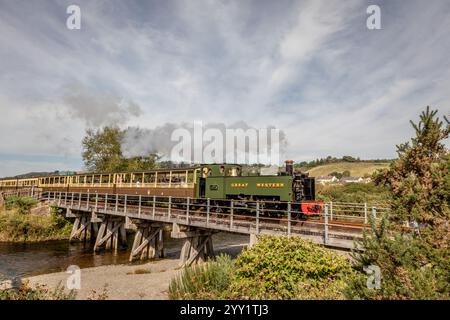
(357, 169)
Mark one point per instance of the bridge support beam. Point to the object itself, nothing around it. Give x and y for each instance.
(111, 232)
(83, 228)
(197, 247)
(253, 239)
(148, 241)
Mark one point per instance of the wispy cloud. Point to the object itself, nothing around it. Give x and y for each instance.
(311, 68)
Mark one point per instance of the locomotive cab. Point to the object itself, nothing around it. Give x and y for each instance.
(215, 171)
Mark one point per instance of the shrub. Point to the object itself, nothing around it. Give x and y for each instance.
(354, 192)
(15, 226)
(411, 246)
(22, 204)
(40, 292)
(289, 268)
(204, 281)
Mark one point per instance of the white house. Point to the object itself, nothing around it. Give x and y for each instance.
(326, 179)
(352, 180)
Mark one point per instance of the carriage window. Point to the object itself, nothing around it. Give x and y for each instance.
(176, 179)
(190, 177)
(163, 177)
(137, 177)
(126, 178)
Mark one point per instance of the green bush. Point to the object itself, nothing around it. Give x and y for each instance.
(40, 292)
(354, 192)
(289, 268)
(22, 204)
(15, 226)
(410, 246)
(204, 281)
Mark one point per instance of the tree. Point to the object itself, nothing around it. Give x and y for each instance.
(346, 173)
(141, 163)
(102, 152)
(101, 149)
(410, 245)
(336, 174)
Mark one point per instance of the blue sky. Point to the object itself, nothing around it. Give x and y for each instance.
(309, 68)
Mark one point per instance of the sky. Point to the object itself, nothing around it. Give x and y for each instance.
(309, 68)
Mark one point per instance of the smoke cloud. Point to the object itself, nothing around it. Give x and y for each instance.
(195, 137)
(97, 109)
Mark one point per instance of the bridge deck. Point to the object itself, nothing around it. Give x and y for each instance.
(339, 233)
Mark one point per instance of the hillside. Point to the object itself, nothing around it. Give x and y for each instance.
(357, 169)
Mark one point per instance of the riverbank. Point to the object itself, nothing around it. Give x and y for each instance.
(39, 223)
(144, 281)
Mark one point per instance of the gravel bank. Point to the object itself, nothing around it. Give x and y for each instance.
(144, 281)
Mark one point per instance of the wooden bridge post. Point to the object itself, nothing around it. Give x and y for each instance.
(154, 207)
(147, 242)
(365, 212)
(231, 213)
(253, 240)
(289, 218)
(2, 201)
(140, 203)
(325, 234)
(208, 208)
(106, 202)
(257, 217)
(169, 209)
(110, 232)
(331, 210)
(83, 228)
(197, 247)
(160, 244)
(187, 209)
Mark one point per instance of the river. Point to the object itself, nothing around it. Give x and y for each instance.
(30, 259)
(19, 260)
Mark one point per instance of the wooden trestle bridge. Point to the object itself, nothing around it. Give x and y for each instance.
(105, 219)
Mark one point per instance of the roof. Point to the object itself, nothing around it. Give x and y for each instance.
(350, 178)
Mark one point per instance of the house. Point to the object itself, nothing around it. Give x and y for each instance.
(367, 180)
(352, 180)
(326, 179)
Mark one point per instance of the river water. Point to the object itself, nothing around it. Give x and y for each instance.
(30, 259)
(19, 260)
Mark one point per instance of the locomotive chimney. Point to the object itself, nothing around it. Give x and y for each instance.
(289, 167)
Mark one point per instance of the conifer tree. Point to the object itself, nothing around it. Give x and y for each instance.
(410, 245)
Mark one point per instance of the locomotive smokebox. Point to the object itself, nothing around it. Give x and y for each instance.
(289, 167)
